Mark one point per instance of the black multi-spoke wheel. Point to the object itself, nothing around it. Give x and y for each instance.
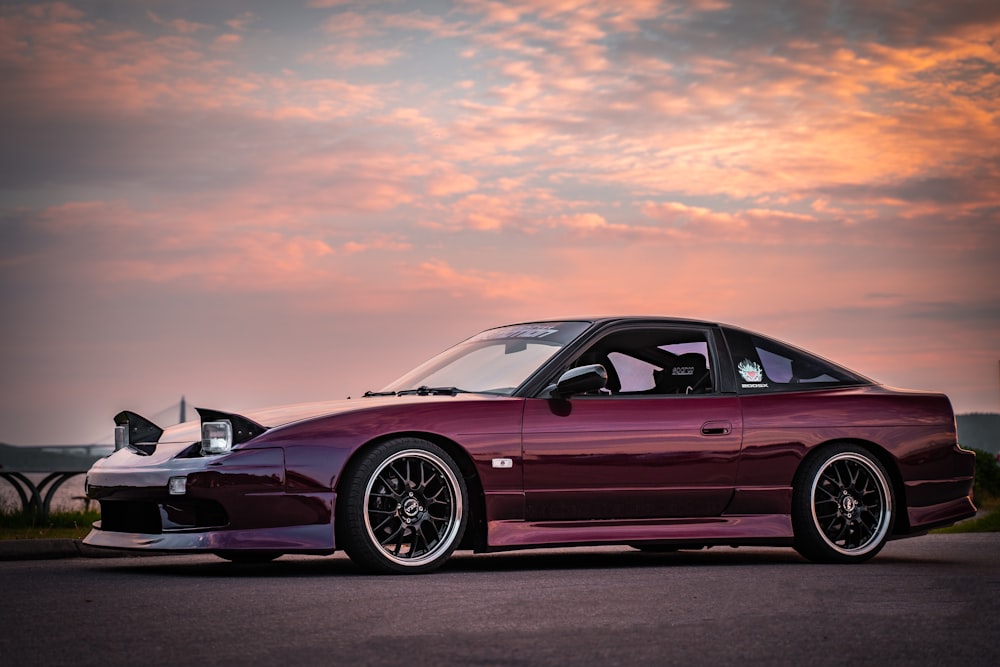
(403, 507)
(842, 508)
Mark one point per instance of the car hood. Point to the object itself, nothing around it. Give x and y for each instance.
(271, 417)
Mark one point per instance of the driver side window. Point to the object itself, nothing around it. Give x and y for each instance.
(658, 362)
(634, 375)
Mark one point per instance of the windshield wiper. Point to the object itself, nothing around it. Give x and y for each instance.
(433, 391)
(369, 394)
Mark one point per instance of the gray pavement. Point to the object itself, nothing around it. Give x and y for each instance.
(933, 599)
(49, 549)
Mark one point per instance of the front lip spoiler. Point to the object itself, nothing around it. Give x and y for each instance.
(316, 539)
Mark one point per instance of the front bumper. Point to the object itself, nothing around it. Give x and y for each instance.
(234, 501)
(313, 539)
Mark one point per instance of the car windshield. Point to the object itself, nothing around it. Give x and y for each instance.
(497, 361)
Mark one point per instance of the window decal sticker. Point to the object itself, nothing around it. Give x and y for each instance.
(750, 371)
(518, 332)
(752, 374)
(682, 370)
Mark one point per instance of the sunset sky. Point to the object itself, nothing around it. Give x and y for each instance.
(252, 203)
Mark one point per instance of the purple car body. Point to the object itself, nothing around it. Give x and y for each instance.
(658, 433)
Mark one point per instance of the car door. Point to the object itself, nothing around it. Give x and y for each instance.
(649, 447)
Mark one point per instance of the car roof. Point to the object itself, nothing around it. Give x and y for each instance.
(614, 319)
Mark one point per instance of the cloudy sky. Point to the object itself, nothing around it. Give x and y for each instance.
(252, 203)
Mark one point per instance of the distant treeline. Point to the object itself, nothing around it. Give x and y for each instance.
(979, 430)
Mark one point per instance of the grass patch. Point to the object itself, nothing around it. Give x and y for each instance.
(987, 521)
(68, 525)
(986, 491)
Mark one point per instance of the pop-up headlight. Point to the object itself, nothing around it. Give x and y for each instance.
(121, 437)
(216, 437)
(135, 432)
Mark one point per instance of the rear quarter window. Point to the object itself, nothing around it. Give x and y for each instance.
(765, 365)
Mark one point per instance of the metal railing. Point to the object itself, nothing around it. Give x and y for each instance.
(57, 462)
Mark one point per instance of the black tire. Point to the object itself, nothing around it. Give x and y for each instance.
(403, 508)
(842, 505)
(248, 557)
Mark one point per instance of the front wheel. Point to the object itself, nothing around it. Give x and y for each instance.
(403, 507)
(842, 506)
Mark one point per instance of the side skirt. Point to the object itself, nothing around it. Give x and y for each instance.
(770, 529)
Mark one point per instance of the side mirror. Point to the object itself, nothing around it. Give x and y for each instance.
(579, 381)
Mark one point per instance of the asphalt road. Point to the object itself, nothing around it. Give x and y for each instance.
(929, 600)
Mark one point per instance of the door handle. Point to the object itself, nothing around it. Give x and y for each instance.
(716, 428)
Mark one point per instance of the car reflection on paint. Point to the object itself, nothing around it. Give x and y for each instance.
(657, 433)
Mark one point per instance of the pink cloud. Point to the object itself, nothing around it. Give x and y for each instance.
(243, 21)
(680, 214)
(438, 275)
(450, 182)
(484, 213)
(319, 99)
(387, 242)
(228, 40)
(350, 25)
(326, 4)
(54, 11)
(584, 221)
(436, 25)
(126, 246)
(180, 25)
(494, 11)
(350, 54)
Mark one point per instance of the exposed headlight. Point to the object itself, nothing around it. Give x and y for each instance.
(216, 437)
(121, 437)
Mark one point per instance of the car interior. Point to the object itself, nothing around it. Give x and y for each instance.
(657, 362)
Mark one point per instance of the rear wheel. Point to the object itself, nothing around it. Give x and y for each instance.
(842, 507)
(403, 507)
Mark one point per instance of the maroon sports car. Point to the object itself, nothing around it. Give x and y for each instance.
(657, 433)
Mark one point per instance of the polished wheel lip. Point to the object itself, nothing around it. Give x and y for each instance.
(411, 508)
(849, 501)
